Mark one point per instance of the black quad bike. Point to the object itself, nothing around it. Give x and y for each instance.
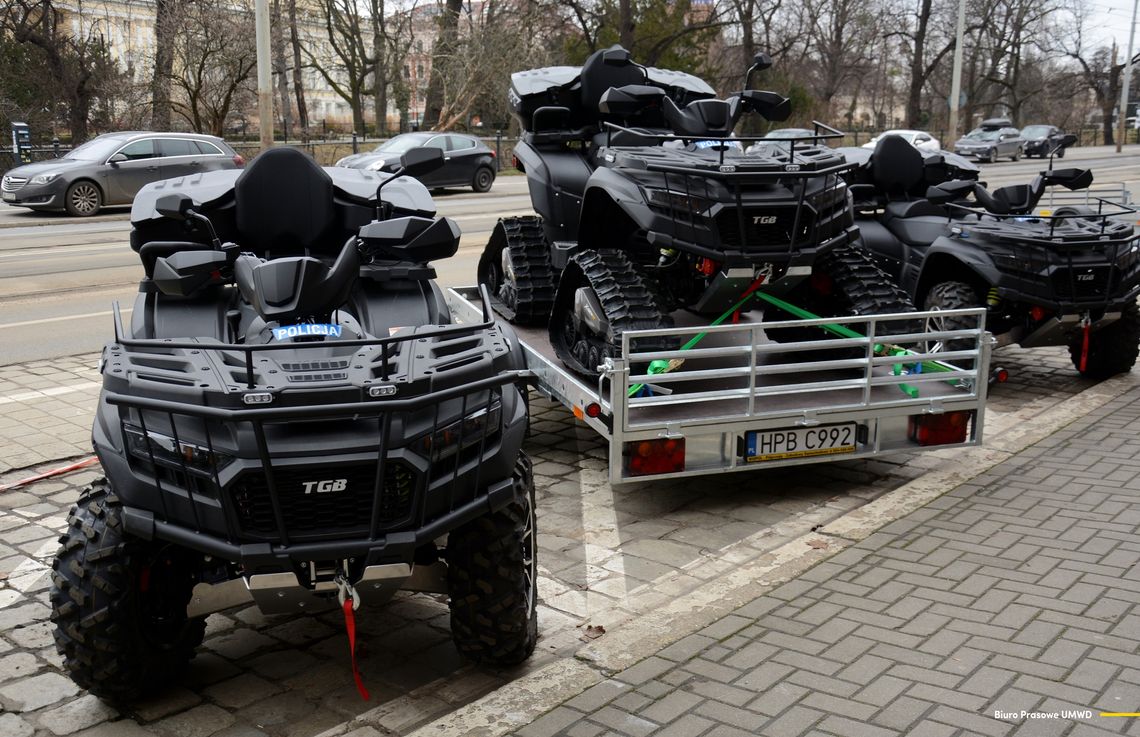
(293, 419)
(647, 204)
(1068, 278)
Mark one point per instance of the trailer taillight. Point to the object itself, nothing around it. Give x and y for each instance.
(651, 457)
(943, 429)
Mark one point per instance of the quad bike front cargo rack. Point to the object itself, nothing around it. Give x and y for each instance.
(739, 400)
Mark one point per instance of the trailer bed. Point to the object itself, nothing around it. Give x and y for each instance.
(736, 389)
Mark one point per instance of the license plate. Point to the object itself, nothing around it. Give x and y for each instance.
(799, 442)
(8, 196)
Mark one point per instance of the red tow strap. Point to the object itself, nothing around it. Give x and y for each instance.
(350, 626)
(1085, 348)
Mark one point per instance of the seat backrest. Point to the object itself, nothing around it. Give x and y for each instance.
(607, 68)
(896, 166)
(284, 204)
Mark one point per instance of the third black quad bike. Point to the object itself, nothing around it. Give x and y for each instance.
(293, 419)
(1068, 278)
(647, 204)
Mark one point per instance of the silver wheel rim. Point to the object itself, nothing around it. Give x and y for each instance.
(934, 323)
(85, 198)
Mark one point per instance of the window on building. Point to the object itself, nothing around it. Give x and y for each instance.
(419, 70)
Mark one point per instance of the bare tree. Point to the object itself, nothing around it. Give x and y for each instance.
(281, 70)
(79, 67)
(444, 53)
(214, 62)
(348, 64)
(167, 19)
(298, 78)
(1099, 67)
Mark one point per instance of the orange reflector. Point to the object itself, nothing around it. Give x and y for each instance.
(650, 457)
(593, 409)
(577, 412)
(944, 429)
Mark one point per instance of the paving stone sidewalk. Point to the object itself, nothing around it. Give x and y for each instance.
(1016, 593)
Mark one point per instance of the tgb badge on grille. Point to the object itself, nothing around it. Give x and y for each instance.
(324, 487)
(763, 219)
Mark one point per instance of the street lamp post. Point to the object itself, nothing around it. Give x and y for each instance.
(956, 79)
(1127, 81)
(264, 74)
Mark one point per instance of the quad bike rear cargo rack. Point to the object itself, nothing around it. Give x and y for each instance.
(740, 394)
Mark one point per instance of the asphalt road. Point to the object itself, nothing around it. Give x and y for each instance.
(60, 276)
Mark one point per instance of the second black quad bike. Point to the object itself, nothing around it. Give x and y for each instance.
(293, 419)
(647, 204)
(1068, 278)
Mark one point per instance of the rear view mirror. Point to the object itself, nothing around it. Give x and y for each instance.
(118, 158)
(173, 206)
(1067, 140)
(760, 62)
(421, 160)
(768, 104)
(616, 56)
(1069, 178)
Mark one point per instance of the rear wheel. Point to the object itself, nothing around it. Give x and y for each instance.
(516, 268)
(483, 179)
(601, 295)
(1112, 350)
(1016, 155)
(492, 579)
(83, 199)
(119, 603)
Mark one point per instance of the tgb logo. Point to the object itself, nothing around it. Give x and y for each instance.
(324, 487)
(763, 219)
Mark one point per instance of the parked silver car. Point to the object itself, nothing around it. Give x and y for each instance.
(111, 168)
(993, 138)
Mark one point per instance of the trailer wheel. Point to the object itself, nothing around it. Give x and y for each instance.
(119, 603)
(1112, 350)
(492, 579)
(950, 295)
(516, 268)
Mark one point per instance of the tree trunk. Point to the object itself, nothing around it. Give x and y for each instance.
(441, 60)
(918, 67)
(277, 37)
(298, 79)
(380, 75)
(164, 15)
(625, 23)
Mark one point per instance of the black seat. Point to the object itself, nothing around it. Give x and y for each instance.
(284, 204)
(896, 166)
(607, 68)
(915, 208)
(920, 230)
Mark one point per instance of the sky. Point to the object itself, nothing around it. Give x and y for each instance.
(1110, 19)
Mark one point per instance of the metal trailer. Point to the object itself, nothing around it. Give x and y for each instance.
(741, 401)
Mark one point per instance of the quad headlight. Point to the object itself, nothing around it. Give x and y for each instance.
(676, 200)
(166, 451)
(462, 434)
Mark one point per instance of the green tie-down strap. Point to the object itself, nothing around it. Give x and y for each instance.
(660, 366)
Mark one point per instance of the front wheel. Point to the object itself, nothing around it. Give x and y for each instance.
(119, 603)
(1112, 350)
(949, 295)
(483, 179)
(83, 199)
(492, 579)
(1016, 155)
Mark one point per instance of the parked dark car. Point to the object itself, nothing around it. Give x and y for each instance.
(111, 168)
(468, 162)
(1041, 139)
(988, 142)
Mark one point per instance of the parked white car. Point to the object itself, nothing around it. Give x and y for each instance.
(921, 140)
